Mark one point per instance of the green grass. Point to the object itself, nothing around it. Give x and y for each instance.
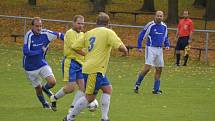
(188, 92)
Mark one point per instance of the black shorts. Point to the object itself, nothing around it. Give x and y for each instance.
(182, 43)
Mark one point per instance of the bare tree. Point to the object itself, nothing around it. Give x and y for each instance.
(148, 5)
(32, 2)
(210, 9)
(172, 12)
(199, 3)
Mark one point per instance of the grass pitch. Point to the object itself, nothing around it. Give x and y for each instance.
(188, 92)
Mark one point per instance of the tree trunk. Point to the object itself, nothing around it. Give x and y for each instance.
(148, 5)
(99, 5)
(210, 9)
(32, 2)
(172, 12)
(199, 3)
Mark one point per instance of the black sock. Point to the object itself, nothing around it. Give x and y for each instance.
(177, 59)
(186, 59)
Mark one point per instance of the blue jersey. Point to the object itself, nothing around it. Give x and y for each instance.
(155, 34)
(34, 56)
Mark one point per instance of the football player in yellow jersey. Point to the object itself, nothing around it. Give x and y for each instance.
(72, 63)
(99, 42)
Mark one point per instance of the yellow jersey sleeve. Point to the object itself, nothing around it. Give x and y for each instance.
(72, 37)
(69, 36)
(114, 41)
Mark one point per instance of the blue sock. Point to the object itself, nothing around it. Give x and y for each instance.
(41, 99)
(139, 80)
(46, 88)
(156, 85)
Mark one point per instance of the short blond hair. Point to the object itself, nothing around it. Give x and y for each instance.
(74, 19)
(102, 19)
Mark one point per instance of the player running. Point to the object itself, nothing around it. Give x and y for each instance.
(99, 42)
(72, 63)
(36, 42)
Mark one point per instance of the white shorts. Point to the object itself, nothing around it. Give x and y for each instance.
(154, 56)
(36, 75)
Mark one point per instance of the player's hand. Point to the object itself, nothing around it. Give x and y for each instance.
(140, 50)
(125, 53)
(44, 48)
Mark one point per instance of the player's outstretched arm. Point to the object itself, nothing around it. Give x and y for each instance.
(122, 48)
(61, 36)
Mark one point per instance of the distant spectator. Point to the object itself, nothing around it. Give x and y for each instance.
(184, 36)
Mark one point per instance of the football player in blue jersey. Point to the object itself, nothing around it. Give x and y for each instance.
(155, 33)
(36, 42)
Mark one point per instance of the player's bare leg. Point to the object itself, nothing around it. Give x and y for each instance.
(142, 73)
(51, 81)
(79, 106)
(69, 88)
(80, 92)
(40, 96)
(156, 89)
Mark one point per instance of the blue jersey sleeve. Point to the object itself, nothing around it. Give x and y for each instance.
(28, 52)
(52, 35)
(26, 46)
(61, 36)
(140, 38)
(166, 39)
(166, 42)
(143, 34)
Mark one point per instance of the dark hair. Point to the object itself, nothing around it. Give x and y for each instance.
(35, 19)
(74, 19)
(102, 19)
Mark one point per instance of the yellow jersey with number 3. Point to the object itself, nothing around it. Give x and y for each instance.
(70, 38)
(98, 42)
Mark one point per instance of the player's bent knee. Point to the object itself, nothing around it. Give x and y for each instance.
(107, 89)
(52, 83)
(69, 88)
(158, 69)
(51, 80)
(39, 89)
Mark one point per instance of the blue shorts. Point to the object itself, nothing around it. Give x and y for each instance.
(72, 70)
(94, 82)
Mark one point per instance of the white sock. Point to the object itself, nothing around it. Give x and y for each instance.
(78, 95)
(60, 93)
(78, 107)
(105, 104)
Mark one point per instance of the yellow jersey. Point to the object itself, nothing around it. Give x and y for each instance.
(99, 42)
(70, 38)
